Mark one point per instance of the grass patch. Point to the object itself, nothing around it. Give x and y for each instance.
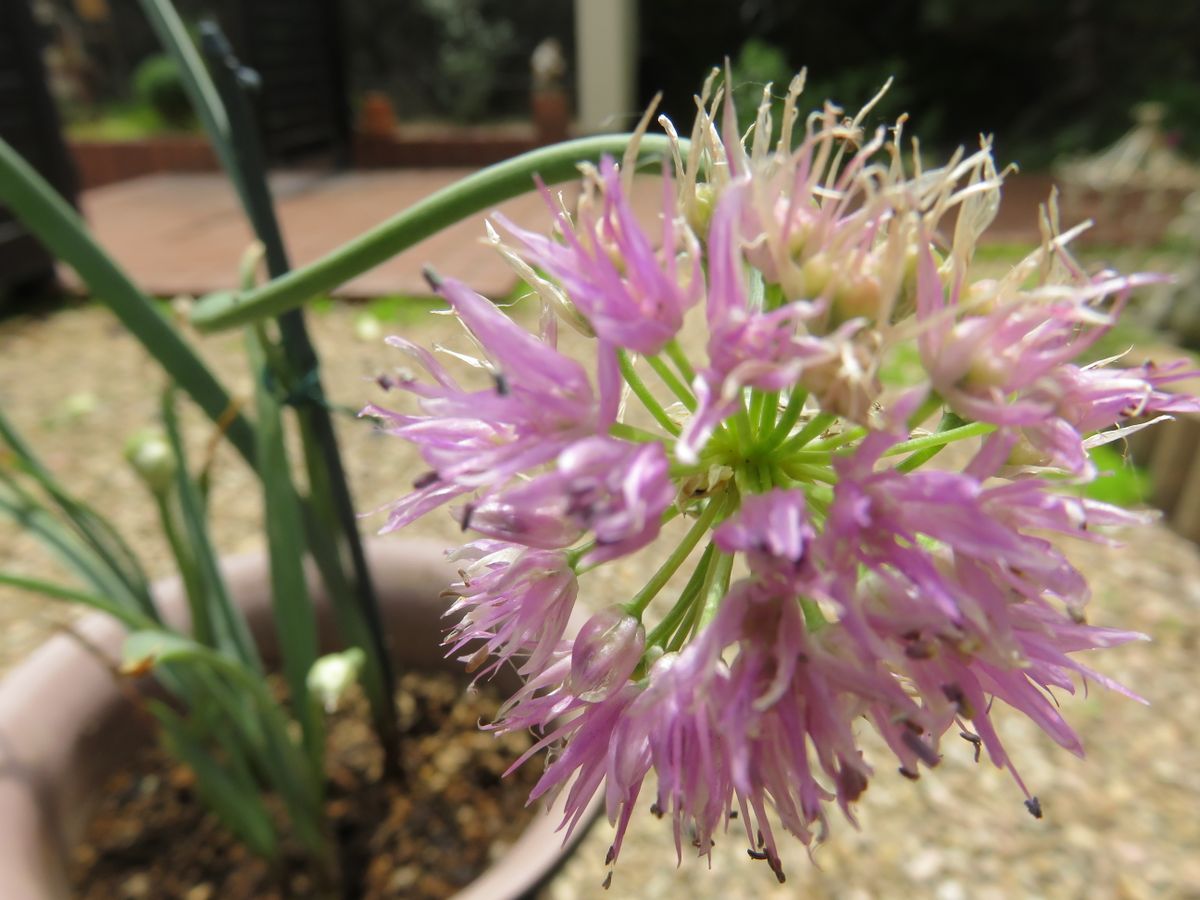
(1119, 482)
(123, 122)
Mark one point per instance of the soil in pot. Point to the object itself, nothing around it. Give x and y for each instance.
(152, 839)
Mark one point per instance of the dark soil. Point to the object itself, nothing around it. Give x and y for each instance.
(427, 838)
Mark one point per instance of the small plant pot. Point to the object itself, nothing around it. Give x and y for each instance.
(377, 116)
(66, 724)
(551, 110)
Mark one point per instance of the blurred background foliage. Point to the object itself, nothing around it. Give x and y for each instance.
(1045, 78)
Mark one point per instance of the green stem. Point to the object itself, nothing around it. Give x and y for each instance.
(575, 554)
(189, 574)
(664, 629)
(767, 408)
(789, 417)
(804, 472)
(671, 380)
(633, 433)
(643, 393)
(468, 196)
(949, 422)
(814, 427)
(676, 355)
(846, 437)
(718, 587)
(127, 616)
(641, 600)
(941, 438)
(36, 204)
(330, 525)
(814, 619)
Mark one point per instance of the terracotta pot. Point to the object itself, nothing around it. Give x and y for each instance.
(551, 109)
(65, 724)
(378, 116)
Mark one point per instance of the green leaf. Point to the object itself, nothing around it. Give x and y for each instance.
(295, 622)
(229, 631)
(34, 518)
(289, 769)
(52, 220)
(228, 791)
(130, 618)
(475, 193)
(92, 528)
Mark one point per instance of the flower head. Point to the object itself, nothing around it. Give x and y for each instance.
(882, 582)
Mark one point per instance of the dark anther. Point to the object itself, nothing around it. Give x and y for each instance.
(955, 695)
(777, 868)
(909, 773)
(919, 649)
(656, 811)
(913, 726)
(974, 740)
(432, 277)
(924, 752)
(610, 855)
(501, 382)
(852, 782)
(425, 480)
(733, 814)
(755, 854)
(467, 513)
(1034, 805)
(386, 382)
(607, 883)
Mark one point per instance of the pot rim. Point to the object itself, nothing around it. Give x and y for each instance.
(60, 711)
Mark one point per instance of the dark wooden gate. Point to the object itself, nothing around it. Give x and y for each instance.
(295, 46)
(28, 121)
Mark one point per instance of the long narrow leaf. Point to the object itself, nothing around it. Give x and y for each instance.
(229, 629)
(128, 617)
(65, 546)
(52, 220)
(92, 528)
(290, 769)
(174, 37)
(227, 790)
(295, 622)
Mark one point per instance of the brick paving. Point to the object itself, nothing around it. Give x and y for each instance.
(184, 233)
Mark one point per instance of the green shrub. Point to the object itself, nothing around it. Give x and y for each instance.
(158, 84)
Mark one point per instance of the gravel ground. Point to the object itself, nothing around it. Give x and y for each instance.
(1123, 823)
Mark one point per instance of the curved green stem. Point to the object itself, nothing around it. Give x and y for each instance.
(671, 380)
(815, 426)
(788, 418)
(663, 630)
(643, 393)
(716, 589)
(633, 433)
(676, 355)
(641, 600)
(471, 195)
(940, 438)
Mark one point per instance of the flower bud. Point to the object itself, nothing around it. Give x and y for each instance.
(334, 674)
(152, 458)
(606, 652)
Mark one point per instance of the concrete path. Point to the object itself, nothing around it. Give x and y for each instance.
(185, 234)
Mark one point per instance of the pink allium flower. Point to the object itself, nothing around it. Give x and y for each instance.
(882, 584)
